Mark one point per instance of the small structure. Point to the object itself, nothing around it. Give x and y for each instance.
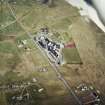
(41, 90)
(34, 80)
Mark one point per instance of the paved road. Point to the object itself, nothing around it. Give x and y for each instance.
(55, 68)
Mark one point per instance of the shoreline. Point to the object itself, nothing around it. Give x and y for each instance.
(88, 11)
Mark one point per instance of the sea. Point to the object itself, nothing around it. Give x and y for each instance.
(87, 9)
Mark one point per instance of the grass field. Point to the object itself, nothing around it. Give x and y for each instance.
(27, 63)
(71, 56)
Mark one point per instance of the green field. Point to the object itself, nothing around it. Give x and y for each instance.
(71, 56)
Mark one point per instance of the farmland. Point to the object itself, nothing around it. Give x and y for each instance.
(25, 64)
